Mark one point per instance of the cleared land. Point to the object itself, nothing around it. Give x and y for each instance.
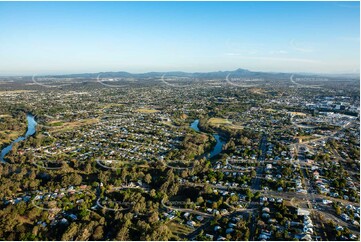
(145, 110)
(216, 121)
(270, 110)
(233, 126)
(169, 123)
(257, 90)
(59, 126)
(109, 105)
(179, 230)
(55, 123)
(224, 122)
(15, 92)
(299, 114)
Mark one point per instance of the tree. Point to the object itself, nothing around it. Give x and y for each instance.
(98, 233)
(124, 174)
(214, 205)
(88, 167)
(184, 173)
(84, 213)
(70, 233)
(207, 189)
(21, 208)
(249, 195)
(160, 233)
(152, 193)
(253, 173)
(148, 178)
(246, 234)
(153, 218)
(173, 190)
(72, 179)
(278, 215)
(123, 234)
(338, 210)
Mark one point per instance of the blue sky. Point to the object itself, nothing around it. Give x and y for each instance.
(74, 37)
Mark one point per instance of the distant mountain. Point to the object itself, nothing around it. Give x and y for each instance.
(218, 74)
(240, 73)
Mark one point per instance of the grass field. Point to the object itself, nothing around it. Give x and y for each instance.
(306, 138)
(144, 110)
(257, 90)
(270, 110)
(299, 113)
(225, 122)
(109, 105)
(168, 123)
(179, 229)
(70, 125)
(56, 123)
(235, 126)
(15, 91)
(216, 121)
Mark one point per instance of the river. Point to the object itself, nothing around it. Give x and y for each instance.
(217, 148)
(30, 131)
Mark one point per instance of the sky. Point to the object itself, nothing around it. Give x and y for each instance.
(78, 37)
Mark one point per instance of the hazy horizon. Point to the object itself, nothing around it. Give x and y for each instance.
(168, 71)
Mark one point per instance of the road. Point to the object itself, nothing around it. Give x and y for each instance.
(187, 210)
(300, 125)
(256, 182)
(205, 225)
(112, 209)
(209, 217)
(263, 148)
(144, 189)
(194, 234)
(286, 195)
(338, 221)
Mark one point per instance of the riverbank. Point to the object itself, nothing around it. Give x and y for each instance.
(217, 148)
(30, 131)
